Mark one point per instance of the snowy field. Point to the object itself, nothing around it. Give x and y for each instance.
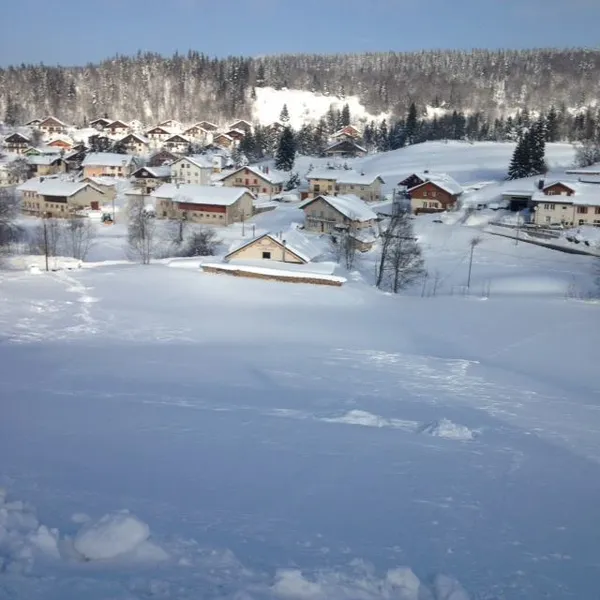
(166, 433)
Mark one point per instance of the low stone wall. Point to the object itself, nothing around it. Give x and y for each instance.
(272, 277)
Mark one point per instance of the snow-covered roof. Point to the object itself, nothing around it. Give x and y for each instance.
(54, 119)
(158, 172)
(356, 178)
(103, 181)
(200, 194)
(48, 150)
(164, 130)
(42, 159)
(591, 170)
(20, 137)
(107, 159)
(200, 160)
(585, 194)
(442, 180)
(298, 243)
(223, 135)
(273, 176)
(327, 174)
(349, 205)
(341, 143)
(117, 123)
(54, 187)
(568, 184)
(140, 138)
(174, 138)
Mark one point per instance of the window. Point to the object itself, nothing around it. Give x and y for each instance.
(582, 210)
(434, 194)
(424, 194)
(548, 220)
(266, 255)
(596, 222)
(317, 188)
(597, 210)
(565, 207)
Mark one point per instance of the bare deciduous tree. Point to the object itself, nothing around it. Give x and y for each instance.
(10, 232)
(344, 246)
(141, 232)
(587, 153)
(45, 239)
(18, 170)
(80, 236)
(401, 262)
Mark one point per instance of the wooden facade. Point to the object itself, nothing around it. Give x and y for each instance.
(429, 197)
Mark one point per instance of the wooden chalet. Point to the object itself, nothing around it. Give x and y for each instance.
(345, 148)
(16, 143)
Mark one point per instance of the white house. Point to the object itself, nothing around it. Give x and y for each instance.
(192, 169)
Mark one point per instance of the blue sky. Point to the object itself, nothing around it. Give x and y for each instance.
(76, 32)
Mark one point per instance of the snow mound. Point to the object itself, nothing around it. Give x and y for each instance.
(400, 584)
(113, 535)
(444, 428)
(360, 417)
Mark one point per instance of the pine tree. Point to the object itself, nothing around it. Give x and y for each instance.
(537, 148)
(383, 137)
(397, 137)
(411, 124)
(286, 150)
(13, 112)
(260, 76)
(345, 115)
(284, 115)
(518, 164)
(552, 134)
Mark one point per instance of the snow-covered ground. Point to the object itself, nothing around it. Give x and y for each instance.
(166, 433)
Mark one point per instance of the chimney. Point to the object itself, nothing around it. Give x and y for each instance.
(267, 170)
(541, 184)
(426, 171)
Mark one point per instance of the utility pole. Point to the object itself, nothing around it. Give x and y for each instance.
(45, 242)
(518, 228)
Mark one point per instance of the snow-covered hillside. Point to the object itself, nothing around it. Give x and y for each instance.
(304, 106)
(171, 434)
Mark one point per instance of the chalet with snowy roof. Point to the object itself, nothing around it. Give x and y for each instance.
(161, 157)
(150, 178)
(51, 125)
(195, 169)
(135, 144)
(117, 128)
(322, 181)
(197, 133)
(207, 126)
(327, 214)
(259, 180)
(100, 123)
(53, 197)
(108, 164)
(203, 203)
(158, 135)
(16, 143)
(290, 246)
(366, 187)
(345, 148)
(586, 171)
(348, 132)
(46, 164)
(237, 135)
(242, 125)
(177, 143)
(171, 124)
(567, 203)
(223, 140)
(136, 125)
(33, 123)
(63, 143)
(434, 193)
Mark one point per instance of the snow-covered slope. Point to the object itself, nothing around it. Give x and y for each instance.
(289, 442)
(304, 106)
